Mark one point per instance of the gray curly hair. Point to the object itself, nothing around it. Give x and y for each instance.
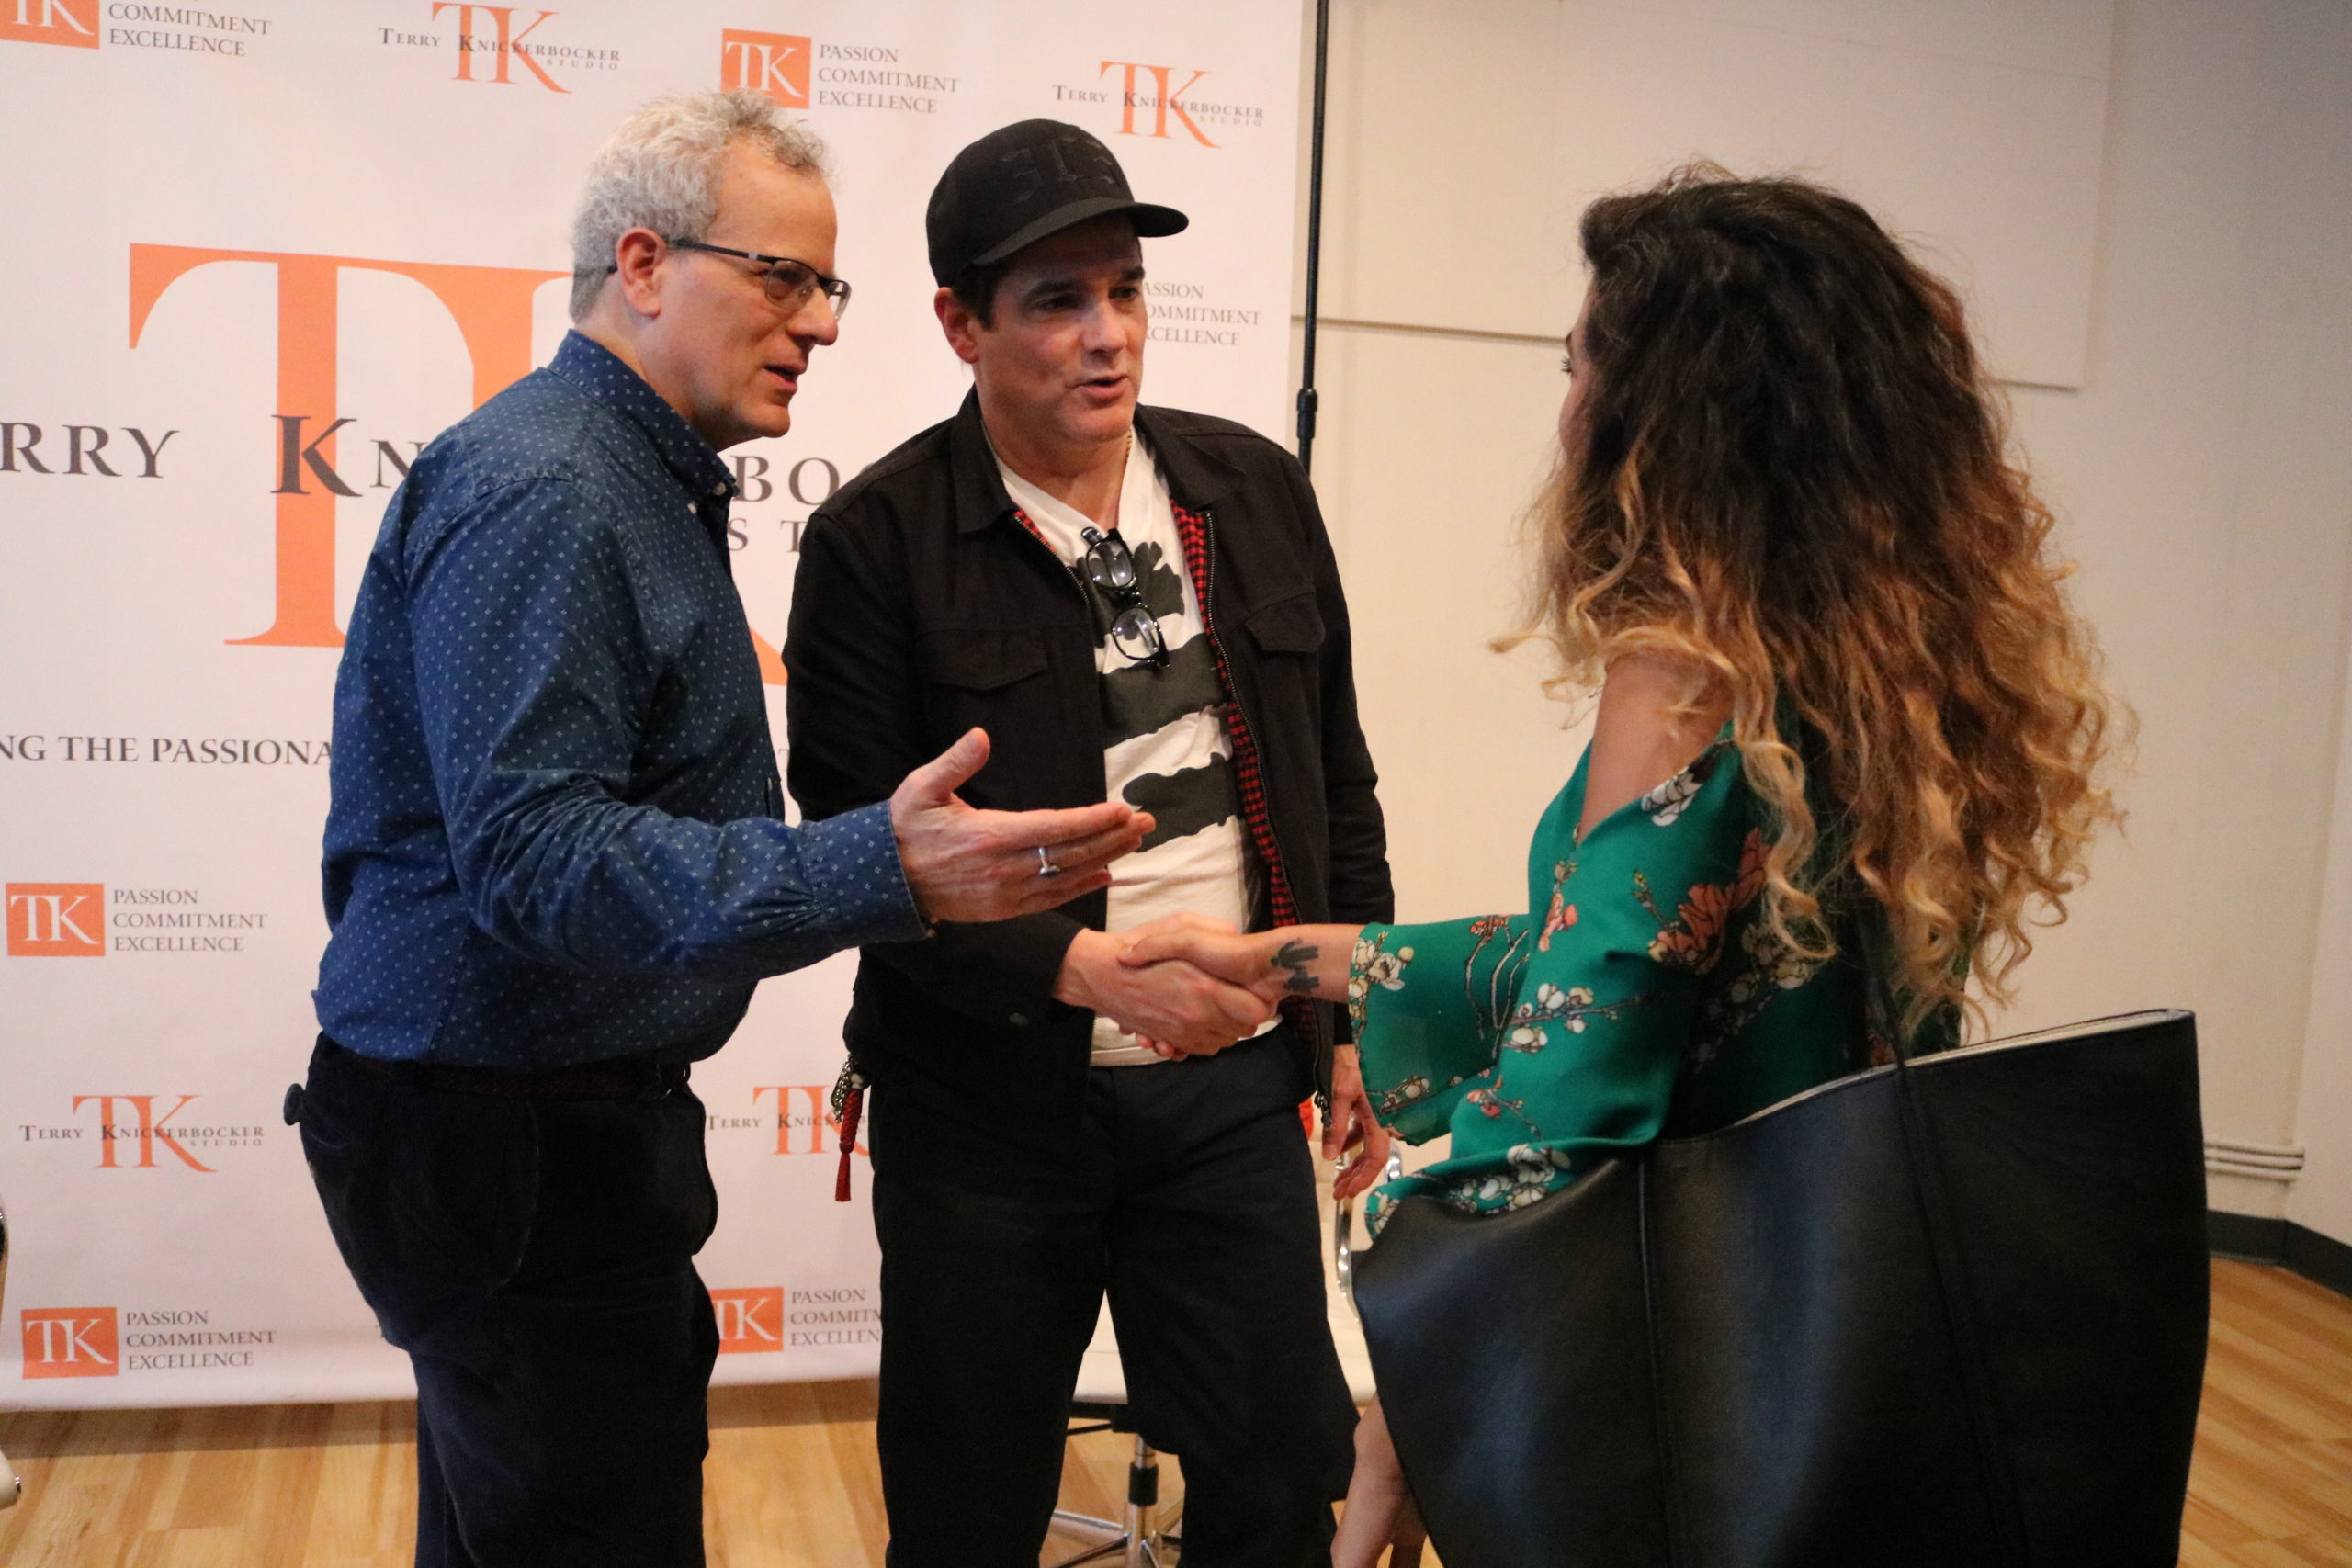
(661, 171)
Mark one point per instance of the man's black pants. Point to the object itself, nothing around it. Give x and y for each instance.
(1187, 1191)
(535, 1259)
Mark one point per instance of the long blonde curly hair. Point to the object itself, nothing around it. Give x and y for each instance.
(1788, 470)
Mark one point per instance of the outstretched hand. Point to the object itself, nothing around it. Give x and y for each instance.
(968, 864)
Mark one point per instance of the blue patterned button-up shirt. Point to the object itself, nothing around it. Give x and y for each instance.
(556, 832)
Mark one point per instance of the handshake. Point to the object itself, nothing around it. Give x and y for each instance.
(1189, 986)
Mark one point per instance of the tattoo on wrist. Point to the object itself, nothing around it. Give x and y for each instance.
(1295, 957)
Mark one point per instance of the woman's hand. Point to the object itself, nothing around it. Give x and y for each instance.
(1352, 1126)
(1380, 1512)
(1294, 961)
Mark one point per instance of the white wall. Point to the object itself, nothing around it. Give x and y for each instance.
(2201, 470)
(2322, 1196)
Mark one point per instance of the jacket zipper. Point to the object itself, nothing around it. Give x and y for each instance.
(1321, 1053)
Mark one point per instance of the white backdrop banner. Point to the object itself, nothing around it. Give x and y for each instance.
(261, 256)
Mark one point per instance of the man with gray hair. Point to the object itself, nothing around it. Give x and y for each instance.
(556, 860)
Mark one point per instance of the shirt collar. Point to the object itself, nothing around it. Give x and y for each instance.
(1194, 480)
(599, 372)
(1141, 491)
(978, 489)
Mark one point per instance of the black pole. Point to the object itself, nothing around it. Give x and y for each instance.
(1307, 398)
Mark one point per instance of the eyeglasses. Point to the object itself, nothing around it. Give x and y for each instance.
(1111, 567)
(790, 284)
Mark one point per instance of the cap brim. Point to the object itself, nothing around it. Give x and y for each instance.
(1151, 222)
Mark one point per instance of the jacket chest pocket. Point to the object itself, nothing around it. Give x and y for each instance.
(1288, 625)
(1286, 638)
(996, 678)
(979, 659)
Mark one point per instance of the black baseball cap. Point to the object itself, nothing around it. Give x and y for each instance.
(1014, 186)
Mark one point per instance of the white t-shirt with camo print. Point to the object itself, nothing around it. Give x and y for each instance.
(1165, 748)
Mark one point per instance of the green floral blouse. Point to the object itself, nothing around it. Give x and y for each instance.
(1648, 997)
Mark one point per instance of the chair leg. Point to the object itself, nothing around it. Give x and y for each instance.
(1142, 1538)
(1086, 1521)
(1142, 1506)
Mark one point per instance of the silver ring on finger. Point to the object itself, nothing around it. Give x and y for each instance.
(1045, 866)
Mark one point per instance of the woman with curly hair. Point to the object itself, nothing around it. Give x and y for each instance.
(1844, 708)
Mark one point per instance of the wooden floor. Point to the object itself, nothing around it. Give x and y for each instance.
(792, 1481)
(2272, 1486)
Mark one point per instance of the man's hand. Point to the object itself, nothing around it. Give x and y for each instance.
(1215, 947)
(966, 864)
(1351, 1125)
(1175, 1007)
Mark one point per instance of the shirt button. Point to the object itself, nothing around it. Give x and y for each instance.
(1019, 1020)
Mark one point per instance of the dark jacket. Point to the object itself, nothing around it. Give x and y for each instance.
(923, 608)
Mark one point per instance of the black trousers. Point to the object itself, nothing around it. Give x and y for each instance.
(1187, 1193)
(535, 1259)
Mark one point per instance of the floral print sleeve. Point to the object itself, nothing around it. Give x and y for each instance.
(1544, 1042)
(1438, 993)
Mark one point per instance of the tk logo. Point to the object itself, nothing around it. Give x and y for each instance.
(492, 308)
(1156, 97)
(146, 1132)
(74, 23)
(749, 1321)
(774, 63)
(71, 1342)
(818, 1121)
(57, 919)
(502, 43)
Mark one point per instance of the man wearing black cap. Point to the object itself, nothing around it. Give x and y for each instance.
(1139, 604)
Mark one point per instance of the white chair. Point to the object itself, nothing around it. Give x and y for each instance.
(1141, 1538)
(10, 1487)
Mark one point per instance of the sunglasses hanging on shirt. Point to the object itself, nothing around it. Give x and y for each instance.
(1111, 567)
